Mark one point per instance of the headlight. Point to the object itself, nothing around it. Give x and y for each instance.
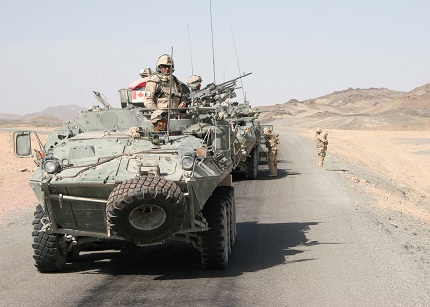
(187, 162)
(51, 166)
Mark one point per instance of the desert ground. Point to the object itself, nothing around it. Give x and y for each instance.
(394, 167)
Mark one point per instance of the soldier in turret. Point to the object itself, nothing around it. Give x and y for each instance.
(157, 91)
(159, 120)
(272, 140)
(194, 83)
(321, 142)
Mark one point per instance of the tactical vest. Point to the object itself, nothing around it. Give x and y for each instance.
(163, 90)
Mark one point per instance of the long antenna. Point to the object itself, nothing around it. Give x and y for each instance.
(212, 32)
(170, 92)
(191, 54)
(238, 65)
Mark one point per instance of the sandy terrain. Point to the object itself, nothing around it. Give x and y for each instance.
(397, 161)
(396, 165)
(14, 175)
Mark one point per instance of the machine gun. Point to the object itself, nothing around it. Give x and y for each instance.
(219, 92)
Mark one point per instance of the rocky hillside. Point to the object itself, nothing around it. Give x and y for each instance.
(360, 109)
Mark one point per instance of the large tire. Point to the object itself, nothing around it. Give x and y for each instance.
(232, 217)
(146, 210)
(217, 241)
(251, 164)
(48, 255)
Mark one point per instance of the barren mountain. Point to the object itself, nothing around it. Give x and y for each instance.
(64, 112)
(51, 117)
(359, 109)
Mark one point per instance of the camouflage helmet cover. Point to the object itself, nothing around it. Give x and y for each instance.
(319, 130)
(194, 79)
(158, 115)
(165, 60)
(145, 72)
(266, 130)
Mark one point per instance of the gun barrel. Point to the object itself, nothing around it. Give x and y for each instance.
(214, 89)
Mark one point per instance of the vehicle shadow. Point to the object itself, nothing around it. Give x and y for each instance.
(263, 174)
(258, 247)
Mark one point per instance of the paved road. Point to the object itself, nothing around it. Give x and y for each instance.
(305, 238)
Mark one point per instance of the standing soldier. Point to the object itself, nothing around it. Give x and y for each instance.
(194, 83)
(321, 142)
(272, 140)
(157, 91)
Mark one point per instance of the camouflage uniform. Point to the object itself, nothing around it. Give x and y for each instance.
(157, 91)
(321, 143)
(272, 140)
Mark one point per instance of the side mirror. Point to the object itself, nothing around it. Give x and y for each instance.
(22, 144)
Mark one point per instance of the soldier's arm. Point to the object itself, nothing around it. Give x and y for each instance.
(151, 86)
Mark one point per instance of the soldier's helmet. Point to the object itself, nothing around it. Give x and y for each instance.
(145, 72)
(319, 130)
(165, 60)
(194, 81)
(158, 115)
(266, 130)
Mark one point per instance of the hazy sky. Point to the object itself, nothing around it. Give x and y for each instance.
(57, 52)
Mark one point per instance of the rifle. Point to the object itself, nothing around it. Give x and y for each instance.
(214, 91)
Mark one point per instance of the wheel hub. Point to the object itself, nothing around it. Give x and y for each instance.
(147, 217)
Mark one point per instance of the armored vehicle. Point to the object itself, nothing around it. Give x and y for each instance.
(107, 176)
(247, 138)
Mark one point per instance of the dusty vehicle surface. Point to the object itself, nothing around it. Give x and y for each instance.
(247, 138)
(106, 175)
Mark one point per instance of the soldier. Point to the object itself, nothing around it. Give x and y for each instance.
(321, 142)
(194, 83)
(159, 120)
(272, 140)
(157, 91)
(145, 72)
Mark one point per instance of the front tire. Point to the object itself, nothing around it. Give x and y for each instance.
(48, 254)
(251, 164)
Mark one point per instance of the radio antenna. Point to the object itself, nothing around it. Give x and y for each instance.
(212, 33)
(170, 93)
(191, 54)
(238, 65)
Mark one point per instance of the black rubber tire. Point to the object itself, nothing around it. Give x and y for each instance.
(156, 204)
(216, 242)
(47, 252)
(232, 218)
(251, 164)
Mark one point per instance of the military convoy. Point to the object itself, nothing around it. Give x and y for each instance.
(106, 175)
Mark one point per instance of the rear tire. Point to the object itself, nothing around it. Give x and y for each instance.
(251, 164)
(219, 239)
(48, 254)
